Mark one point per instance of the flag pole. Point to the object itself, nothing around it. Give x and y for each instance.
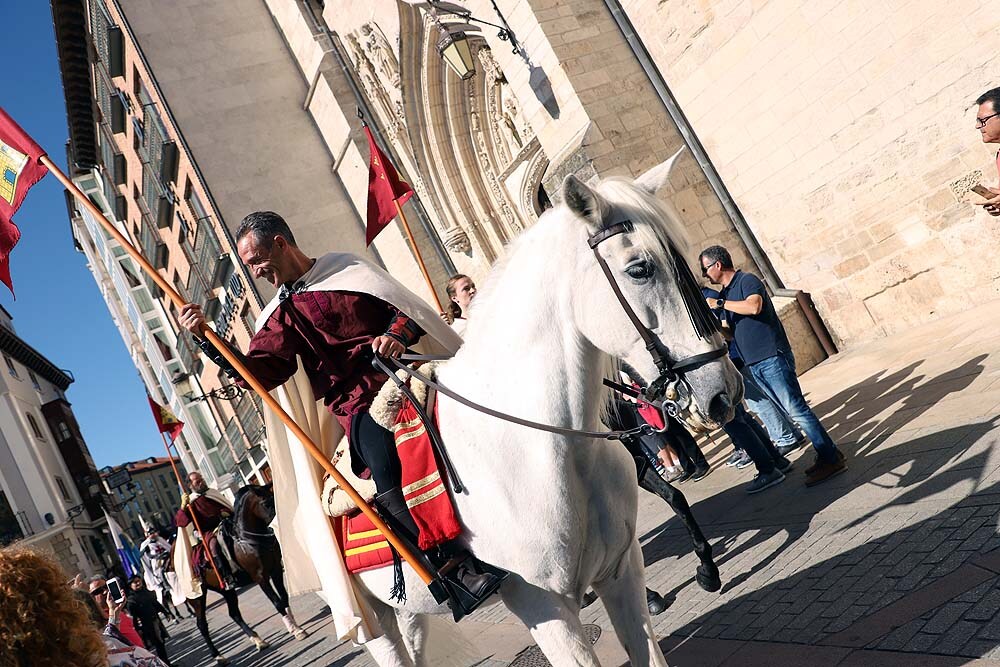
(416, 252)
(190, 511)
(314, 451)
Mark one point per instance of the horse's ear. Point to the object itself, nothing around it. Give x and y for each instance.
(582, 200)
(657, 177)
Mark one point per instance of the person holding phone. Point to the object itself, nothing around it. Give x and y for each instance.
(110, 601)
(988, 124)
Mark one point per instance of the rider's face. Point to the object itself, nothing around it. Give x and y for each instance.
(198, 482)
(271, 262)
(465, 290)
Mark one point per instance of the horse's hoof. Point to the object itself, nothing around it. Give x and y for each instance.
(301, 634)
(708, 578)
(220, 660)
(656, 603)
(260, 643)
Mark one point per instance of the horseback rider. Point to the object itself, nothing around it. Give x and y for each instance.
(209, 507)
(334, 331)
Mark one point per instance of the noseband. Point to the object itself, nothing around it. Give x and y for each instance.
(670, 384)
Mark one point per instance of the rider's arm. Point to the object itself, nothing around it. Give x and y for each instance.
(403, 329)
(271, 358)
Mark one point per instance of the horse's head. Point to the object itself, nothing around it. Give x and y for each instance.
(637, 300)
(256, 502)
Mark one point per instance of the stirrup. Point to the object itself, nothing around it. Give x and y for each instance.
(461, 600)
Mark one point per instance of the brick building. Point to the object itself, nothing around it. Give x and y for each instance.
(146, 489)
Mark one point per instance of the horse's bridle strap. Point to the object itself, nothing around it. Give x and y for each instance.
(647, 336)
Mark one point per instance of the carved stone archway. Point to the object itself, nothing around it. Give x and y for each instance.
(471, 157)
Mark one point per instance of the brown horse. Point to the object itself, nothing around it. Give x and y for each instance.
(256, 549)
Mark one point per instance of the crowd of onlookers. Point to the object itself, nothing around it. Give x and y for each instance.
(48, 620)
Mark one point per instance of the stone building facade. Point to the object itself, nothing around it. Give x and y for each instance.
(824, 137)
(148, 495)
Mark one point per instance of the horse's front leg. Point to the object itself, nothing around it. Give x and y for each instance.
(554, 622)
(708, 572)
(623, 600)
(197, 606)
(233, 606)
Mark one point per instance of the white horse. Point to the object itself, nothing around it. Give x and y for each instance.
(558, 512)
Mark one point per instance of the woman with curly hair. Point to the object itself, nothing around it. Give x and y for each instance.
(45, 623)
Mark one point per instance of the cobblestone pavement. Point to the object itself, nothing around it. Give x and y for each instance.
(898, 556)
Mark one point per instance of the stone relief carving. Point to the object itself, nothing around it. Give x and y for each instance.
(491, 69)
(381, 53)
(390, 110)
(458, 241)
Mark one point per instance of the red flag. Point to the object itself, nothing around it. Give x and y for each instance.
(384, 190)
(19, 170)
(166, 421)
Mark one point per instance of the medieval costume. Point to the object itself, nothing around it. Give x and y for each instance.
(154, 554)
(314, 344)
(209, 508)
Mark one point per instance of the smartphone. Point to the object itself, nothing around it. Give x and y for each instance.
(115, 588)
(981, 190)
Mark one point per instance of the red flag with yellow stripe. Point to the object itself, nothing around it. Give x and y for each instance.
(166, 421)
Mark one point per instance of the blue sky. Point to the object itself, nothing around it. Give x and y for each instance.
(59, 310)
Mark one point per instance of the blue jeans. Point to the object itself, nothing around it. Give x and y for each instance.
(782, 431)
(748, 435)
(776, 377)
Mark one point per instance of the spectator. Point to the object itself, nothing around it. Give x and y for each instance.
(145, 609)
(119, 624)
(988, 124)
(761, 342)
(44, 623)
(461, 290)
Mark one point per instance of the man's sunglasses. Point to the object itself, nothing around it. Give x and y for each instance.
(704, 269)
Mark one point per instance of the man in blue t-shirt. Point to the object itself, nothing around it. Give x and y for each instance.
(760, 340)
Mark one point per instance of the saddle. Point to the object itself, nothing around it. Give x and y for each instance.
(384, 411)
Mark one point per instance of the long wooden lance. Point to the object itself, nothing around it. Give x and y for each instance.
(190, 509)
(422, 571)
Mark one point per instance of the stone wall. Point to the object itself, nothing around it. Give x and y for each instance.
(838, 126)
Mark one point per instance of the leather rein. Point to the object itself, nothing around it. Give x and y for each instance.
(669, 385)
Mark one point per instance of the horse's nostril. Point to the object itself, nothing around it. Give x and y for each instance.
(719, 408)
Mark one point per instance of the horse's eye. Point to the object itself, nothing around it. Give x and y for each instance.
(640, 270)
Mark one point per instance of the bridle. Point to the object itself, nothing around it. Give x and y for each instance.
(670, 384)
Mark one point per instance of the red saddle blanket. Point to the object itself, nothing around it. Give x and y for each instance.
(363, 546)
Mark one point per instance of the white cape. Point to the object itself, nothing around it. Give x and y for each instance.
(188, 584)
(311, 555)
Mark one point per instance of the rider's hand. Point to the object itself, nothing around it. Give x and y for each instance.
(192, 318)
(387, 346)
(185, 500)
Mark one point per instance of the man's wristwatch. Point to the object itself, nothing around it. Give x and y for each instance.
(719, 303)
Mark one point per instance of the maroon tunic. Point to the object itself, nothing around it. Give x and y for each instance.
(208, 512)
(332, 333)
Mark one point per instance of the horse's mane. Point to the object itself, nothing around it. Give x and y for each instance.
(241, 496)
(656, 226)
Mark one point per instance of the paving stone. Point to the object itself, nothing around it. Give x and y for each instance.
(900, 637)
(977, 593)
(954, 640)
(922, 643)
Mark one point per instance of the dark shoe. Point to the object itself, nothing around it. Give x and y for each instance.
(744, 461)
(655, 602)
(819, 462)
(783, 464)
(788, 449)
(684, 476)
(735, 457)
(589, 598)
(824, 471)
(761, 481)
(700, 473)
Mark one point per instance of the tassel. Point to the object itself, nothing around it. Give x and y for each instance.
(398, 590)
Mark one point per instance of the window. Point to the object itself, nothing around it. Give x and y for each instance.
(159, 505)
(62, 489)
(149, 508)
(149, 483)
(64, 432)
(34, 381)
(34, 426)
(11, 367)
(163, 481)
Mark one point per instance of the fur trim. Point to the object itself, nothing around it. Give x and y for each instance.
(390, 399)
